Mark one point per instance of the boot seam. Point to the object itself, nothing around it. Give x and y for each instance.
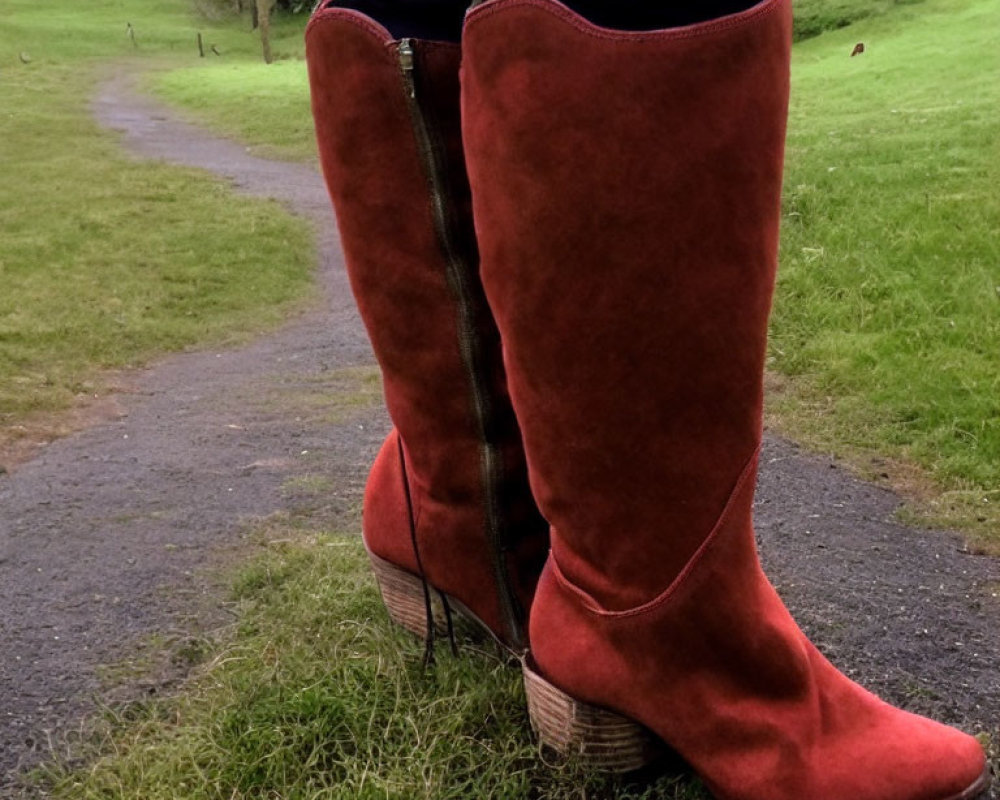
(327, 17)
(745, 18)
(591, 604)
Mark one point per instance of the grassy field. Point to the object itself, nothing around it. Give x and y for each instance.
(887, 316)
(106, 261)
(813, 17)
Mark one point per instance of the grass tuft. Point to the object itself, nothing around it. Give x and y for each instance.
(314, 694)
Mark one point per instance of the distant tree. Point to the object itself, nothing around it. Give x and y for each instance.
(263, 9)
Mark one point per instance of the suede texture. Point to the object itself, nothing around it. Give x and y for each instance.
(716, 667)
(626, 189)
(380, 190)
(621, 216)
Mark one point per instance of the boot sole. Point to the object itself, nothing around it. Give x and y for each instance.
(403, 597)
(596, 737)
(606, 741)
(978, 790)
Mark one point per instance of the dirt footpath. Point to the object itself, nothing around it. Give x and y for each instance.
(104, 535)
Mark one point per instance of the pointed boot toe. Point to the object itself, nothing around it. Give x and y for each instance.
(934, 761)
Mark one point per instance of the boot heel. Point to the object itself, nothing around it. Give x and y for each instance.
(403, 597)
(597, 738)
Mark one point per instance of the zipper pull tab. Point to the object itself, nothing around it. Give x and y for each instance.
(405, 50)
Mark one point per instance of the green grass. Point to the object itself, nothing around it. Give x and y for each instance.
(237, 94)
(315, 695)
(887, 317)
(813, 17)
(106, 261)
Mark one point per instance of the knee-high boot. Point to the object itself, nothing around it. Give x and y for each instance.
(447, 500)
(626, 191)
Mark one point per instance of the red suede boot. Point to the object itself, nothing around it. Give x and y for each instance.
(626, 195)
(447, 499)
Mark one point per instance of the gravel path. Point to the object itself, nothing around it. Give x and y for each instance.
(104, 534)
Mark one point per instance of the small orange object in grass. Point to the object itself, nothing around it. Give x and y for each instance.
(859, 48)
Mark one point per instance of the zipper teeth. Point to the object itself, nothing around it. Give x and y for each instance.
(469, 344)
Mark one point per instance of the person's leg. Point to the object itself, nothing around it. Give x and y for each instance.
(431, 20)
(626, 191)
(442, 19)
(643, 15)
(447, 499)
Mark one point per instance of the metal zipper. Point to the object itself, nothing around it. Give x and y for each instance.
(457, 274)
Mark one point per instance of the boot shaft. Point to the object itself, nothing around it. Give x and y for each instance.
(627, 198)
(626, 191)
(388, 128)
(386, 215)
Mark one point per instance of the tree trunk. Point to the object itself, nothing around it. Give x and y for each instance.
(264, 20)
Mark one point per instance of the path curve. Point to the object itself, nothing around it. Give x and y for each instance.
(104, 534)
(104, 529)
